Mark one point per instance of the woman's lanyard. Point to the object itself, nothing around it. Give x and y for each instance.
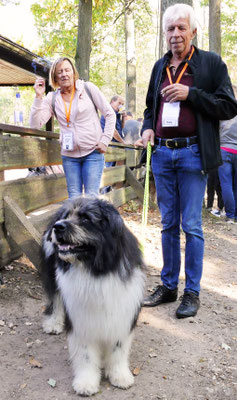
(183, 70)
(68, 111)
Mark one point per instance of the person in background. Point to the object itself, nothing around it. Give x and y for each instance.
(131, 130)
(228, 170)
(189, 92)
(214, 186)
(129, 116)
(83, 143)
(140, 120)
(117, 103)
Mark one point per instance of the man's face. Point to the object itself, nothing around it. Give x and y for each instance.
(117, 103)
(64, 74)
(178, 36)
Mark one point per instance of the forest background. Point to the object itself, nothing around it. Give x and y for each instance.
(57, 24)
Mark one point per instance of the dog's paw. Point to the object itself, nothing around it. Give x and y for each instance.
(53, 326)
(121, 378)
(84, 388)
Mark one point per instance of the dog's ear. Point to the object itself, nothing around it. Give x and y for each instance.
(116, 224)
(49, 235)
(112, 219)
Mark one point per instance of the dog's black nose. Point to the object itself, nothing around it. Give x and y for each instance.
(60, 226)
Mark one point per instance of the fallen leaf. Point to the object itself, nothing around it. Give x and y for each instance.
(225, 346)
(8, 267)
(23, 385)
(52, 382)
(34, 363)
(152, 355)
(136, 371)
(39, 342)
(33, 294)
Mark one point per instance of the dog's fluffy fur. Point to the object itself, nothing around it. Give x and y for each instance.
(93, 275)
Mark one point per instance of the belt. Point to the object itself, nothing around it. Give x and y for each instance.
(176, 143)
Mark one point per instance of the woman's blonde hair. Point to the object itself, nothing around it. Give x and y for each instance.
(52, 73)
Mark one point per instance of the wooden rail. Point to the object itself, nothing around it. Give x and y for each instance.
(25, 204)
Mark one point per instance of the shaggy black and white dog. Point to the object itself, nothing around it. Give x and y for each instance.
(93, 275)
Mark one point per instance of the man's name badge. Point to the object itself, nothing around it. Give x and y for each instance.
(170, 114)
(67, 140)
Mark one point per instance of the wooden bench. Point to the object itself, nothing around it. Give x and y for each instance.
(26, 204)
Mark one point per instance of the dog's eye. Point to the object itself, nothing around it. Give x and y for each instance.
(84, 218)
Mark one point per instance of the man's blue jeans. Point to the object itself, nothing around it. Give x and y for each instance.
(83, 172)
(180, 188)
(228, 179)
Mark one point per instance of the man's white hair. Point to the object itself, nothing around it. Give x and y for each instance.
(180, 10)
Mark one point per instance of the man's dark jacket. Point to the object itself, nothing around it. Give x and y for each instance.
(211, 97)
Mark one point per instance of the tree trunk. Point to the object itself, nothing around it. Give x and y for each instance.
(165, 4)
(83, 50)
(130, 59)
(215, 26)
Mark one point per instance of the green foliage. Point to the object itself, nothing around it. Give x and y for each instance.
(57, 22)
(229, 36)
(6, 2)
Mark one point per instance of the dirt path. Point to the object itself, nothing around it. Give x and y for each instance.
(173, 359)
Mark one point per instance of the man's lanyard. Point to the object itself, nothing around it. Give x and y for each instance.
(183, 70)
(68, 111)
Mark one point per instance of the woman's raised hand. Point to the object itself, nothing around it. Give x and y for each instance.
(39, 87)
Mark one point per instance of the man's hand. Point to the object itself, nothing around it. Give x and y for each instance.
(138, 142)
(175, 92)
(39, 87)
(101, 147)
(148, 135)
(118, 137)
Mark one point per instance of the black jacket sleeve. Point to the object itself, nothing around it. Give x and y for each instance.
(215, 99)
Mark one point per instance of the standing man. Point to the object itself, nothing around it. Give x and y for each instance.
(117, 103)
(189, 92)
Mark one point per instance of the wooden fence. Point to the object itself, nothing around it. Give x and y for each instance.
(25, 204)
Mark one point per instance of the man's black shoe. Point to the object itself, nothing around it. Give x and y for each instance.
(189, 305)
(161, 295)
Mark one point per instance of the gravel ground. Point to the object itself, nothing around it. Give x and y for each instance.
(172, 359)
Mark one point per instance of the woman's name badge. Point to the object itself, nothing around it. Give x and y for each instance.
(67, 143)
(170, 114)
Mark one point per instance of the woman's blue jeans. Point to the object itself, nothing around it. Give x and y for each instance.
(180, 188)
(228, 179)
(83, 172)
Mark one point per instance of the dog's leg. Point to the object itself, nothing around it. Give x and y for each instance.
(116, 364)
(86, 361)
(54, 320)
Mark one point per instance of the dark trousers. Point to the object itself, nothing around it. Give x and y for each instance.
(213, 186)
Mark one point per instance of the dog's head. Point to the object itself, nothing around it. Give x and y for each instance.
(92, 231)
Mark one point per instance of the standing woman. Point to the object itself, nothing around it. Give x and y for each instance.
(228, 170)
(83, 143)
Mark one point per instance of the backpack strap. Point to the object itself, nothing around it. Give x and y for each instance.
(87, 91)
(89, 94)
(53, 104)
